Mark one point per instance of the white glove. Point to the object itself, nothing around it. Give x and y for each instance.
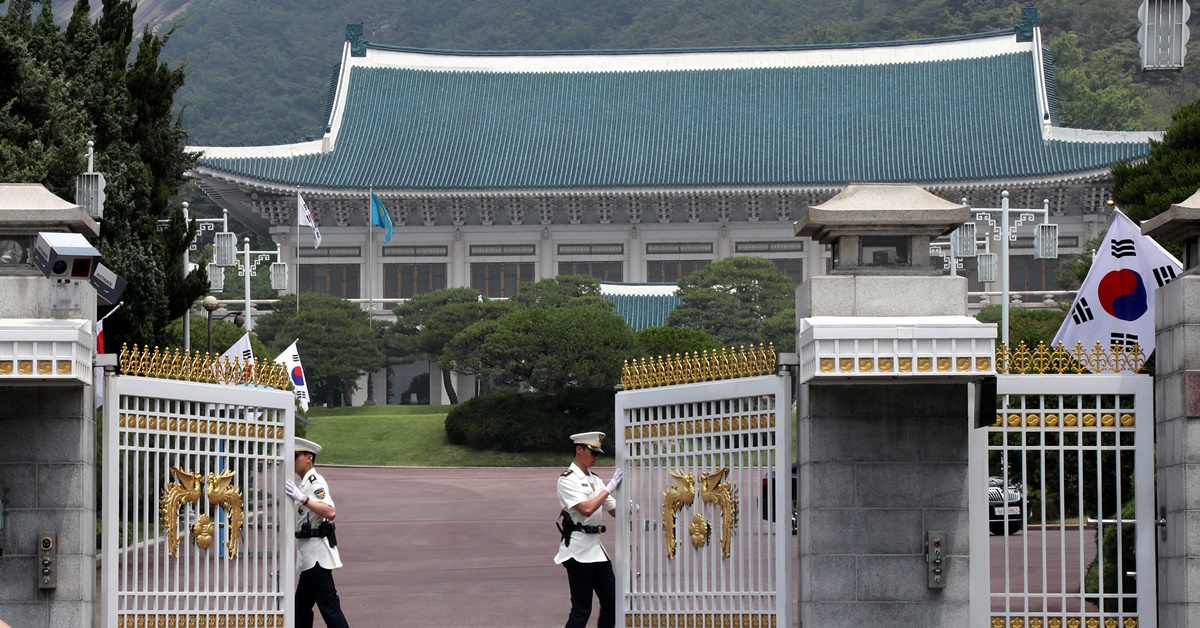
(292, 491)
(612, 485)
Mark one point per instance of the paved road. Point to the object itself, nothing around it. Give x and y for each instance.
(448, 547)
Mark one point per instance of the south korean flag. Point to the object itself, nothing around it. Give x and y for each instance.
(1115, 304)
(290, 359)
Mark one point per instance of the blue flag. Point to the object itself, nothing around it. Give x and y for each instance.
(380, 217)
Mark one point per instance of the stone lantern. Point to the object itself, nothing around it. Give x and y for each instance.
(1180, 224)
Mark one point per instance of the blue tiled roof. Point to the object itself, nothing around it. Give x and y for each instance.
(969, 119)
(642, 311)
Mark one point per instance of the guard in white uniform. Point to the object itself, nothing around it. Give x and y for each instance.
(316, 541)
(583, 497)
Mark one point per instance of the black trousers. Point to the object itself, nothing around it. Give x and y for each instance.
(316, 587)
(584, 579)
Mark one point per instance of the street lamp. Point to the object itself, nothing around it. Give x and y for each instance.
(248, 267)
(210, 304)
(1045, 244)
(203, 224)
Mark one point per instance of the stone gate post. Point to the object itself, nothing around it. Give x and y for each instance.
(48, 447)
(1177, 419)
(887, 357)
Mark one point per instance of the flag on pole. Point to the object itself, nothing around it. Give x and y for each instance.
(306, 219)
(381, 217)
(290, 358)
(98, 371)
(241, 350)
(1115, 304)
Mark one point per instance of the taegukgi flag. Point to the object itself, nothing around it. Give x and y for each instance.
(290, 358)
(241, 350)
(1115, 304)
(306, 219)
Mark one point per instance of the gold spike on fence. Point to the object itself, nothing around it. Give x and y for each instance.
(200, 367)
(703, 366)
(1044, 360)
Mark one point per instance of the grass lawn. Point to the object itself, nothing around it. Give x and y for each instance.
(407, 436)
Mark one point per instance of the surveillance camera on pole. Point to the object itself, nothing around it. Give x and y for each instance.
(69, 259)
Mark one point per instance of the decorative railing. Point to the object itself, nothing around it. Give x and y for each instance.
(703, 366)
(201, 367)
(1044, 360)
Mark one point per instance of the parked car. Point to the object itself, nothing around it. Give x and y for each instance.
(768, 499)
(1006, 506)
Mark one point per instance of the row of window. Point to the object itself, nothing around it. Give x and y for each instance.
(502, 279)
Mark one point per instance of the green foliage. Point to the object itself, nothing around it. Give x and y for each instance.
(60, 89)
(1116, 574)
(1025, 326)
(668, 341)
(224, 335)
(732, 299)
(1098, 90)
(337, 343)
(531, 421)
(1170, 174)
(1073, 270)
(546, 350)
(560, 291)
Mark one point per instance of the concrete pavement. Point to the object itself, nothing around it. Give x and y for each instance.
(449, 547)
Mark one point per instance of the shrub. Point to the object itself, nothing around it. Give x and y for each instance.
(529, 422)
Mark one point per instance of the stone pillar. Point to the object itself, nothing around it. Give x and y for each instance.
(48, 448)
(887, 357)
(1177, 420)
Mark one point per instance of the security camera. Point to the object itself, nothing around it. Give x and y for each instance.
(65, 256)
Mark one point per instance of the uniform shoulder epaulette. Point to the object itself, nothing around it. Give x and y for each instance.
(312, 478)
(565, 473)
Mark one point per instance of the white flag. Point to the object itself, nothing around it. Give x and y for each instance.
(306, 219)
(241, 350)
(1115, 304)
(290, 358)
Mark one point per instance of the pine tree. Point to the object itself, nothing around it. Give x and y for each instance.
(60, 89)
(1170, 174)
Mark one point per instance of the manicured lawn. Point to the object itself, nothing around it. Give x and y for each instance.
(407, 436)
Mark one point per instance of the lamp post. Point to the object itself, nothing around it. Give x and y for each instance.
(210, 303)
(202, 225)
(1045, 243)
(247, 267)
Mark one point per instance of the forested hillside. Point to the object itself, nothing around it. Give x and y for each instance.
(258, 70)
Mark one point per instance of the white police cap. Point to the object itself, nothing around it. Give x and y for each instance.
(303, 445)
(591, 440)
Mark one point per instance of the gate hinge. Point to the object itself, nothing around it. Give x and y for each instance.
(1161, 522)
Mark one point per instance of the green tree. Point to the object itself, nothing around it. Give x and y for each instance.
(336, 342)
(1097, 90)
(1170, 174)
(668, 341)
(1026, 326)
(561, 290)
(733, 298)
(546, 350)
(1073, 270)
(426, 323)
(58, 90)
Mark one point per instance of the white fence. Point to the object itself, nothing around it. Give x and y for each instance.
(197, 530)
(1074, 456)
(699, 542)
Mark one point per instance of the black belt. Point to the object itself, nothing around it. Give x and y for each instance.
(590, 529)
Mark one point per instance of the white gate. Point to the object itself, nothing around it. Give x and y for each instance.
(196, 528)
(700, 542)
(1070, 504)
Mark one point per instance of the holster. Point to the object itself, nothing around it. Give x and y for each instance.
(565, 527)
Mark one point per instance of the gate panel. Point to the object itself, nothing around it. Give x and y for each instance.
(699, 542)
(1074, 456)
(197, 530)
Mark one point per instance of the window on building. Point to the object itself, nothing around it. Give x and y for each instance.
(405, 281)
(500, 279)
(671, 271)
(1029, 274)
(793, 268)
(339, 280)
(604, 271)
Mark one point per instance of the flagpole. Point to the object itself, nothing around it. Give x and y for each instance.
(370, 255)
(297, 249)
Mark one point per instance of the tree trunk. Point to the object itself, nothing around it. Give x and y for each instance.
(449, 386)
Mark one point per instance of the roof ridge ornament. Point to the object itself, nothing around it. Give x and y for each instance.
(1024, 30)
(358, 46)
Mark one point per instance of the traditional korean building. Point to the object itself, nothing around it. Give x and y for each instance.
(640, 166)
